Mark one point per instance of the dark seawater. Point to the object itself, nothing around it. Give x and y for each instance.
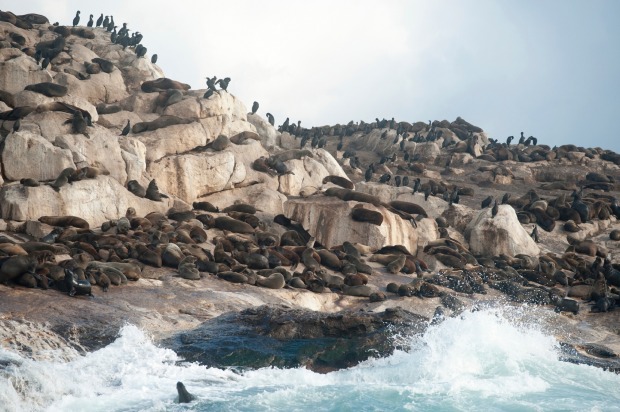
(481, 361)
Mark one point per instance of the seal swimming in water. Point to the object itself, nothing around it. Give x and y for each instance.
(184, 395)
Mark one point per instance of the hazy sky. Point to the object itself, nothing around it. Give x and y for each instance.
(549, 68)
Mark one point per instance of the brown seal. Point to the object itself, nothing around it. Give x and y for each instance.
(408, 207)
(397, 264)
(273, 281)
(359, 214)
(206, 206)
(232, 225)
(240, 207)
(15, 266)
(161, 84)
(65, 221)
(159, 123)
(220, 143)
(338, 180)
(48, 89)
(62, 179)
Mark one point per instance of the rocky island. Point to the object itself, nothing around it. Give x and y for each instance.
(128, 197)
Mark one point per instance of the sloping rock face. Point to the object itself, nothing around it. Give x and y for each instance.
(502, 234)
(328, 220)
(169, 139)
(95, 200)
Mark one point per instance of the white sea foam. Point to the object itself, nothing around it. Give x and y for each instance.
(484, 360)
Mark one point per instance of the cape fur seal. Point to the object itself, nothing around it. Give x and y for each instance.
(65, 221)
(338, 180)
(359, 214)
(161, 84)
(48, 89)
(184, 395)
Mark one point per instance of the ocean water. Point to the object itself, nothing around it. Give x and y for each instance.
(480, 361)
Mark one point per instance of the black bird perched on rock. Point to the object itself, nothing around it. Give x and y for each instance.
(254, 107)
(224, 83)
(126, 129)
(110, 24)
(405, 181)
(385, 178)
(154, 58)
(270, 119)
(534, 234)
(106, 21)
(76, 19)
(509, 139)
(416, 185)
(90, 21)
(521, 139)
(368, 173)
(397, 180)
(16, 125)
(211, 84)
(100, 20)
(486, 202)
(495, 209)
(454, 196)
(208, 94)
(505, 198)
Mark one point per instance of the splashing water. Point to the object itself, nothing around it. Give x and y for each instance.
(483, 360)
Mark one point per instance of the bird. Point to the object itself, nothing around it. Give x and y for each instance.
(45, 63)
(494, 210)
(427, 192)
(126, 129)
(90, 21)
(154, 58)
(76, 19)
(509, 139)
(100, 20)
(16, 125)
(223, 83)
(486, 202)
(405, 181)
(208, 94)
(106, 21)
(416, 185)
(270, 119)
(368, 173)
(254, 107)
(505, 198)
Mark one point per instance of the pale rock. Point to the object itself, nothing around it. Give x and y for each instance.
(17, 73)
(329, 163)
(328, 219)
(460, 159)
(4, 107)
(426, 152)
(261, 196)
(458, 216)
(427, 231)
(223, 103)
(309, 172)
(140, 103)
(175, 139)
(502, 234)
(48, 124)
(268, 134)
(188, 108)
(102, 150)
(100, 88)
(37, 229)
(245, 155)
(384, 192)
(95, 200)
(287, 141)
(190, 176)
(29, 98)
(118, 120)
(134, 155)
(28, 155)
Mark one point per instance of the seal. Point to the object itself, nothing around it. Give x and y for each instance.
(362, 290)
(273, 281)
(220, 143)
(65, 221)
(164, 83)
(397, 264)
(232, 225)
(153, 193)
(359, 214)
(159, 123)
(408, 207)
(28, 182)
(136, 188)
(233, 277)
(183, 395)
(187, 268)
(240, 207)
(206, 206)
(338, 180)
(75, 287)
(16, 266)
(48, 89)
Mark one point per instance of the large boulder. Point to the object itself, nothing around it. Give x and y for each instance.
(28, 155)
(171, 140)
(101, 149)
(95, 200)
(502, 234)
(261, 196)
(327, 219)
(17, 73)
(268, 134)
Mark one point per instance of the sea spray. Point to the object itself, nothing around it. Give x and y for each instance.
(489, 359)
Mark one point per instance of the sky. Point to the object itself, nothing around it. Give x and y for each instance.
(549, 68)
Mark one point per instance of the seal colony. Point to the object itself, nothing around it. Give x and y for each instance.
(428, 180)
